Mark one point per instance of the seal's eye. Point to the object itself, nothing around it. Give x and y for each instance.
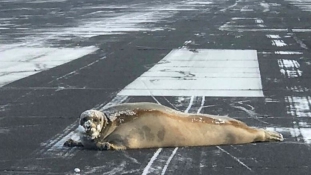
(95, 120)
(84, 119)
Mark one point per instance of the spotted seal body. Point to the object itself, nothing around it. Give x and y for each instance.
(149, 125)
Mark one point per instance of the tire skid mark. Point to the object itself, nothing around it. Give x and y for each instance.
(176, 149)
(56, 139)
(155, 155)
(148, 168)
(77, 70)
(235, 158)
(153, 158)
(231, 6)
(168, 161)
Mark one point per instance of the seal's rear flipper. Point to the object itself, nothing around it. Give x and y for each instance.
(110, 146)
(273, 136)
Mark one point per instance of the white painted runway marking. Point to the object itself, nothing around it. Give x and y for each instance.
(238, 24)
(301, 30)
(266, 6)
(289, 68)
(207, 72)
(298, 106)
(288, 52)
(304, 5)
(301, 133)
(274, 36)
(278, 43)
(199, 3)
(259, 22)
(20, 62)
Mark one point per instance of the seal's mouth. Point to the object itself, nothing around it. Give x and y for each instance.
(91, 129)
(88, 128)
(92, 122)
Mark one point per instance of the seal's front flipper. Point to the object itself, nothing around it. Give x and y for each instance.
(103, 146)
(109, 146)
(117, 147)
(73, 143)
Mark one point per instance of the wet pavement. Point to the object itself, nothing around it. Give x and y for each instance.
(250, 60)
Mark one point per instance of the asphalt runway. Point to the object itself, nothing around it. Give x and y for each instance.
(249, 59)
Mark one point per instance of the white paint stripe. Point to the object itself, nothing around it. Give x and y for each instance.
(252, 30)
(246, 9)
(153, 158)
(185, 92)
(211, 74)
(259, 21)
(301, 30)
(169, 160)
(235, 158)
(279, 43)
(201, 70)
(288, 52)
(274, 36)
(184, 83)
(266, 6)
(210, 64)
(288, 64)
(304, 5)
(202, 104)
(298, 106)
(298, 132)
(243, 18)
(190, 104)
(17, 63)
(156, 154)
(191, 84)
(185, 73)
(199, 3)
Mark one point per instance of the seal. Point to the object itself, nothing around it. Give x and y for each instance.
(150, 125)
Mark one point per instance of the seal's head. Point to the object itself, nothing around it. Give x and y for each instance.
(93, 122)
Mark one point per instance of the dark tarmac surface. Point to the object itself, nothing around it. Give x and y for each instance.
(39, 112)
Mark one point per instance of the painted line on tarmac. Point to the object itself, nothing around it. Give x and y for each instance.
(21, 62)
(205, 72)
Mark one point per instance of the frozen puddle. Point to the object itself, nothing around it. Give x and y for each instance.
(20, 62)
(205, 72)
